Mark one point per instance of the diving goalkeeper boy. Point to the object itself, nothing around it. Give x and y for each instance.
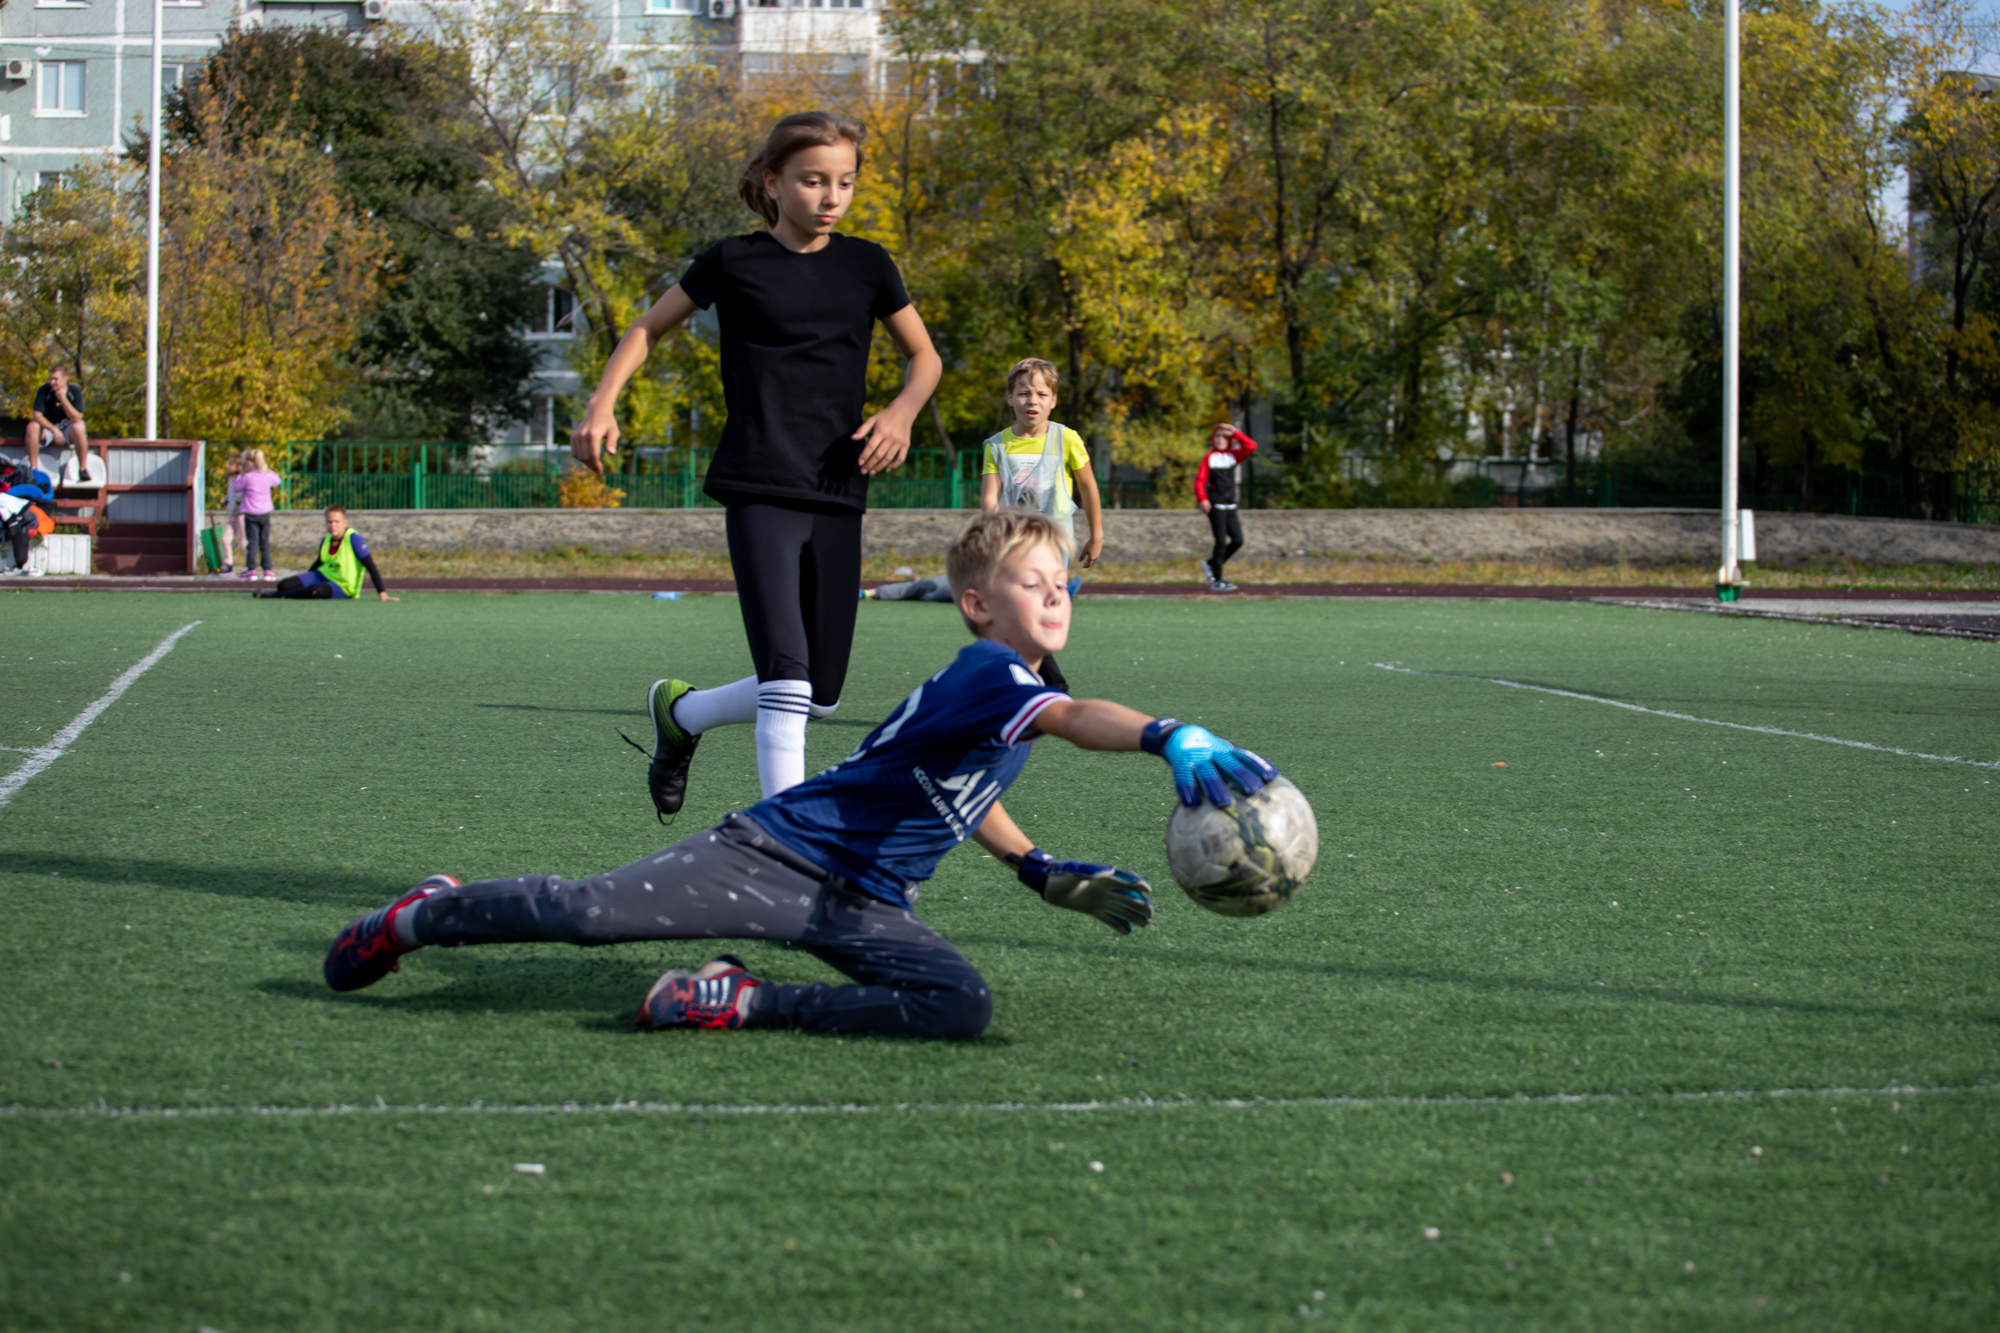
(832, 866)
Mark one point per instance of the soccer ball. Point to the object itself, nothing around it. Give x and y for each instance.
(1248, 857)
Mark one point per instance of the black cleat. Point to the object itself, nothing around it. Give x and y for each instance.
(673, 749)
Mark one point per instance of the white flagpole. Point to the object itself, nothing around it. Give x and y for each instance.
(1729, 576)
(153, 238)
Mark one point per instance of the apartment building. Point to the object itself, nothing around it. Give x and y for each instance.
(76, 81)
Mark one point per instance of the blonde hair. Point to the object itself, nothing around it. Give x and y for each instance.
(1034, 365)
(989, 540)
(254, 460)
(790, 136)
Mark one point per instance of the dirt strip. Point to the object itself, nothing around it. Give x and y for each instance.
(1493, 591)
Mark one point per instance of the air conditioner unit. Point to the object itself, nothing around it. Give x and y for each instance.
(722, 9)
(375, 11)
(19, 70)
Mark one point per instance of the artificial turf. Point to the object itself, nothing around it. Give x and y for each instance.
(1519, 896)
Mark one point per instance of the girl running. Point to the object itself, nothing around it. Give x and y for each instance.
(797, 306)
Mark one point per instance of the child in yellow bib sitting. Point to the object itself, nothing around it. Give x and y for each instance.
(1035, 463)
(336, 573)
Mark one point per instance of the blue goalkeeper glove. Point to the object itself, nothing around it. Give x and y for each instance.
(1118, 898)
(1201, 760)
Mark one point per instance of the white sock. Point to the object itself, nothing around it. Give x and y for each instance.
(698, 710)
(819, 712)
(781, 733)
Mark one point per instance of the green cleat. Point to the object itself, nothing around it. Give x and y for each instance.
(673, 749)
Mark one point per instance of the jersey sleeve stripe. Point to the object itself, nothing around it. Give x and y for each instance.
(1021, 721)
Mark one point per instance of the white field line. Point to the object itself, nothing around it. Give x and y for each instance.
(42, 756)
(105, 1111)
(1689, 717)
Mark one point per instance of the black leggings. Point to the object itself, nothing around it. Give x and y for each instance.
(256, 537)
(1228, 530)
(798, 579)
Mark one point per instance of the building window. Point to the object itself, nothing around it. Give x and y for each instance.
(171, 77)
(51, 180)
(558, 315)
(672, 6)
(61, 88)
(548, 421)
(551, 91)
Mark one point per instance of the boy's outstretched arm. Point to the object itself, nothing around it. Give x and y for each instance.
(1093, 724)
(1118, 898)
(1201, 760)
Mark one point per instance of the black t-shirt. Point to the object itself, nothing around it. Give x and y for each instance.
(795, 335)
(45, 403)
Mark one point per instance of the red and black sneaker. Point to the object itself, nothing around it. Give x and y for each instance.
(704, 998)
(368, 950)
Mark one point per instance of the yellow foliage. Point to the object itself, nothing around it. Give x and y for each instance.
(266, 276)
(76, 295)
(580, 488)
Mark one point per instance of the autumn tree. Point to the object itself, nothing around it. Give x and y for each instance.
(443, 353)
(266, 278)
(73, 283)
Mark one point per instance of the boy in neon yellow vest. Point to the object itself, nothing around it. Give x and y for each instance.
(1034, 464)
(343, 554)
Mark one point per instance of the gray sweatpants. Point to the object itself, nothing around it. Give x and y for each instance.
(737, 882)
(933, 589)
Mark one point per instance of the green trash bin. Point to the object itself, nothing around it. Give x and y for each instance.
(211, 552)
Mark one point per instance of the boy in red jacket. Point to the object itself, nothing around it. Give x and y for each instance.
(1215, 490)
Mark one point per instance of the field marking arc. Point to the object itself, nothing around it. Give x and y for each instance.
(105, 1111)
(42, 756)
(1689, 717)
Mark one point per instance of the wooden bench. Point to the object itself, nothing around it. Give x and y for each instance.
(145, 516)
(70, 503)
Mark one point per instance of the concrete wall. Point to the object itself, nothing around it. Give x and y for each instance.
(1571, 535)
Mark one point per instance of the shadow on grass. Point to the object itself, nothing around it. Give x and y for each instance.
(641, 712)
(1263, 964)
(558, 708)
(270, 883)
(602, 991)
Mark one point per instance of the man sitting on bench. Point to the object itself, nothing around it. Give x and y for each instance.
(343, 554)
(56, 419)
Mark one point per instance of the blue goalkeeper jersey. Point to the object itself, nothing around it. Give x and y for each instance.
(920, 784)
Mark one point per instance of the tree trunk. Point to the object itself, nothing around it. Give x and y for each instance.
(1569, 442)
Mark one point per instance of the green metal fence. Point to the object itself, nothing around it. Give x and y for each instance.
(472, 476)
(481, 476)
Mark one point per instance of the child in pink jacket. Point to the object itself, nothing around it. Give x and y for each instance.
(252, 492)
